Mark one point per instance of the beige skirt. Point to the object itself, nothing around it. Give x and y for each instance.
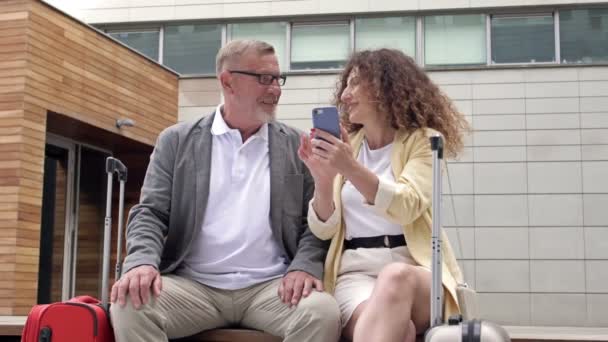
(359, 269)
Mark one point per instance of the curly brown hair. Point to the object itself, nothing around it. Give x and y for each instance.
(403, 90)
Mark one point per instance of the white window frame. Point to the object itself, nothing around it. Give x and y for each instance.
(223, 41)
(227, 37)
(420, 30)
(420, 40)
(328, 22)
(161, 43)
(518, 15)
(558, 48)
(351, 22)
(417, 30)
(587, 6)
(139, 29)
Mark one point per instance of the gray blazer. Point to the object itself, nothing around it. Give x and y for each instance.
(174, 196)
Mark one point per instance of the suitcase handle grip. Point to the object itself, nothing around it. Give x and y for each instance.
(85, 299)
(437, 145)
(115, 165)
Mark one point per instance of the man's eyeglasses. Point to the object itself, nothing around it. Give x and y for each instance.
(265, 79)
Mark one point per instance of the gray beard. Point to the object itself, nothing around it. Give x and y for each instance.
(265, 117)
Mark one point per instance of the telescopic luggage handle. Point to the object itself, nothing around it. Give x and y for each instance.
(113, 165)
(436, 284)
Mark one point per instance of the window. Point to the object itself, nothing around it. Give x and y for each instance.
(523, 39)
(273, 33)
(191, 49)
(144, 41)
(455, 39)
(584, 35)
(319, 46)
(392, 32)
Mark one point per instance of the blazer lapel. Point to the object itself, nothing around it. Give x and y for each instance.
(202, 158)
(276, 153)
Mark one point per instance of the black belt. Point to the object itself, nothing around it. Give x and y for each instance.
(382, 241)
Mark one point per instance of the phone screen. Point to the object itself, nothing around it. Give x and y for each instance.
(327, 119)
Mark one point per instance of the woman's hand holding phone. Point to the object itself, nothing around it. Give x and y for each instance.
(322, 174)
(320, 156)
(332, 152)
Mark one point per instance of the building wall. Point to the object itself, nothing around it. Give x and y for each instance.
(122, 11)
(49, 62)
(13, 60)
(525, 208)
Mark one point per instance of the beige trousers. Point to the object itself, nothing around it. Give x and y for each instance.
(186, 307)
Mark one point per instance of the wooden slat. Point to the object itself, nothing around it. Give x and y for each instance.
(101, 44)
(82, 69)
(93, 55)
(15, 6)
(13, 63)
(13, 16)
(95, 104)
(105, 106)
(55, 74)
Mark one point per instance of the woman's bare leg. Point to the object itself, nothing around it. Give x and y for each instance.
(349, 329)
(411, 333)
(401, 295)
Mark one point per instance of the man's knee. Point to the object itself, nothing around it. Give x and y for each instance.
(322, 309)
(127, 317)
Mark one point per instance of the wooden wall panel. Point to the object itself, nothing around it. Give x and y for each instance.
(13, 62)
(114, 81)
(50, 62)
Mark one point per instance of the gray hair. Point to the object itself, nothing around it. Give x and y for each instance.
(232, 51)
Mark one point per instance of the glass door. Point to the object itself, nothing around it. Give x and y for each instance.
(73, 213)
(86, 278)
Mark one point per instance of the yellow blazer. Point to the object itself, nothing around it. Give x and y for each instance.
(407, 201)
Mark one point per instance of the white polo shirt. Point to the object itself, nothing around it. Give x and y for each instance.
(235, 247)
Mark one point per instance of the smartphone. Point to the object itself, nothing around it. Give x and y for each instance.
(326, 119)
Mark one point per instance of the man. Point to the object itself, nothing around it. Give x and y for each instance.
(222, 217)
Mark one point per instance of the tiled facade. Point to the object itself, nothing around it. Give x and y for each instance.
(526, 208)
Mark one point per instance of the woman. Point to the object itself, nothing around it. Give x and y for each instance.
(373, 194)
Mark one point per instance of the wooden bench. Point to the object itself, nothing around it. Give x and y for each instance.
(231, 335)
(11, 325)
(11, 328)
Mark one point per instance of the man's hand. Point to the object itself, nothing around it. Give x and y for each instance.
(297, 284)
(137, 283)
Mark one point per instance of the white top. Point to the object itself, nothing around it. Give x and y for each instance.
(360, 218)
(235, 247)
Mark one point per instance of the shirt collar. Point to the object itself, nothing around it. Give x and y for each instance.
(220, 127)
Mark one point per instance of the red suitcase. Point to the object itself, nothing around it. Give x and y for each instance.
(83, 318)
(80, 319)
